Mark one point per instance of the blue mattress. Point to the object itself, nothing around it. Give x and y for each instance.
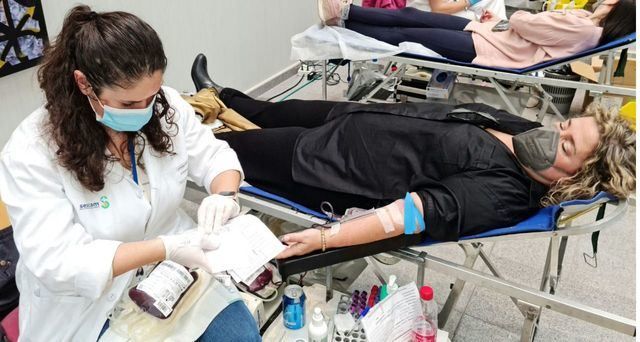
(630, 38)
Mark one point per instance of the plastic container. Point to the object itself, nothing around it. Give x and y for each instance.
(161, 291)
(565, 4)
(562, 97)
(318, 330)
(425, 327)
(423, 331)
(356, 334)
(628, 112)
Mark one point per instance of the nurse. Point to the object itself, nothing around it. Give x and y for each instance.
(94, 178)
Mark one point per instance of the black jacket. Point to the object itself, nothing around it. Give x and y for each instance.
(467, 179)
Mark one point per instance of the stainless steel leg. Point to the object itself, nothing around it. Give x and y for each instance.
(384, 82)
(547, 102)
(562, 249)
(495, 272)
(542, 299)
(553, 265)
(532, 313)
(421, 270)
(324, 80)
(545, 271)
(471, 257)
(610, 62)
(500, 89)
(329, 283)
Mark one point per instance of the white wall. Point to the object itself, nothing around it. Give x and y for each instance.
(245, 42)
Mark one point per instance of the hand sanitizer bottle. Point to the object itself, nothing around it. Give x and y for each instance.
(318, 331)
(392, 285)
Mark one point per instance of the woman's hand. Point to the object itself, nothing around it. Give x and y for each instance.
(487, 16)
(215, 211)
(188, 248)
(300, 243)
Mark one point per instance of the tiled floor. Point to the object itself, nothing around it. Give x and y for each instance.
(483, 315)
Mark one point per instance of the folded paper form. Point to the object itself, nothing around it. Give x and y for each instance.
(245, 245)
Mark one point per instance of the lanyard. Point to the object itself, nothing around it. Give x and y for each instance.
(132, 155)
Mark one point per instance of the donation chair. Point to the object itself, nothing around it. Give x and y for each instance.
(553, 223)
(528, 77)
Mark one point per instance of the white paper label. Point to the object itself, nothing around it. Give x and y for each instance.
(165, 284)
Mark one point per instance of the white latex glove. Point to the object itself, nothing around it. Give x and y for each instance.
(216, 210)
(187, 248)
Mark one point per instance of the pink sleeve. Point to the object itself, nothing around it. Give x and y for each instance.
(548, 28)
(368, 3)
(389, 4)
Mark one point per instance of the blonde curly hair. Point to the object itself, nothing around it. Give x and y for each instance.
(612, 168)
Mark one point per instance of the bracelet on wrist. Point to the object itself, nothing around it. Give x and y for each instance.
(323, 240)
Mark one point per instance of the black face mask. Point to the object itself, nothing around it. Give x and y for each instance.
(537, 148)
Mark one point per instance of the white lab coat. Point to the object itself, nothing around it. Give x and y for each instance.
(67, 235)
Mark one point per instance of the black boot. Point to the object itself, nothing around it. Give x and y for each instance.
(200, 76)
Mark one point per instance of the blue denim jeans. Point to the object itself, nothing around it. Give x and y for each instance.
(442, 33)
(234, 323)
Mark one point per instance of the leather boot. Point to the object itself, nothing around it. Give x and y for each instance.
(200, 76)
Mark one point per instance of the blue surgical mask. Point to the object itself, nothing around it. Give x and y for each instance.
(125, 120)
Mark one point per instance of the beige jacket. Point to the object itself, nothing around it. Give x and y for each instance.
(207, 104)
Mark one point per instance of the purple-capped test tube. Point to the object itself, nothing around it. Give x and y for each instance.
(363, 298)
(355, 299)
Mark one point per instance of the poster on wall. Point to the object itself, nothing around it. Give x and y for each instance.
(23, 35)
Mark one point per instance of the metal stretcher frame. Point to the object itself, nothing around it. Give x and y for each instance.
(529, 301)
(521, 77)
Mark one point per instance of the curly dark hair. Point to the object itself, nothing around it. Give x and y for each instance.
(111, 49)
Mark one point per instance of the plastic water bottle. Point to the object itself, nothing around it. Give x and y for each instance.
(425, 327)
(318, 330)
(423, 330)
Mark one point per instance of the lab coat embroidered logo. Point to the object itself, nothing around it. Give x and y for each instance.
(105, 202)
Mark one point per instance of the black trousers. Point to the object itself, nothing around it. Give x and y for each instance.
(442, 33)
(266, 154)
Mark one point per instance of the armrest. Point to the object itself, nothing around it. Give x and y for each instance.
(298, 264)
